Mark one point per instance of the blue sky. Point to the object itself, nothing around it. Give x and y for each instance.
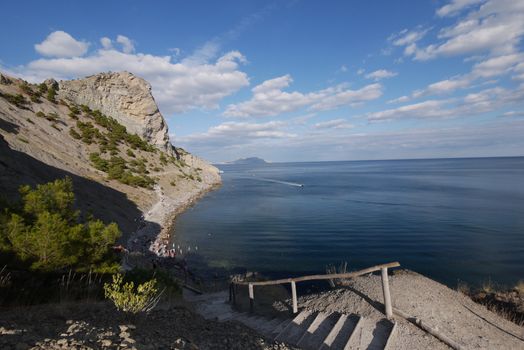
(297, 80)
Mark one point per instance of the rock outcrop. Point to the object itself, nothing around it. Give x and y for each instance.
(125, 97)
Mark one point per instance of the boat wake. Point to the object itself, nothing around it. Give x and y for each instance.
(276, 181)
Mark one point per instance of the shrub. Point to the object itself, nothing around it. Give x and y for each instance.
(85, 109)
(88, 132)
(42, 88)
(26, 88)
(45, 231)
(52, 117)
(74, 134)
(130, 153)
(98, 162)
(51, 94)
(117, 167)
(40, 114)
(163, 159)
(17, 100)
(127, 298)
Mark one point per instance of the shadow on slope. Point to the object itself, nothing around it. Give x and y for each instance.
(105, 203)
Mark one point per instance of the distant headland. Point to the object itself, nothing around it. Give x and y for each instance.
(249, 160)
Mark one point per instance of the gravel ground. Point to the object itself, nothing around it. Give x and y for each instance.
(99, 326)
(449, 311)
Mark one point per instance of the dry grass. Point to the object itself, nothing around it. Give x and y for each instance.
(520, 287)
(463, 287)
(332, 269)
(505, 312)
(5, 278)
(487, 287)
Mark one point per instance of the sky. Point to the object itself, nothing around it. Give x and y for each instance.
(297, 80)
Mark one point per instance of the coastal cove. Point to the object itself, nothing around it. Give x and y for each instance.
(449, 219)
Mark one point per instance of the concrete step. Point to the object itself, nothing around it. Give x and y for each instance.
(296, 328)
(372, 335)
(314, 336)
(391, 336)
(341, 334)
(269, 327)
(279, 328)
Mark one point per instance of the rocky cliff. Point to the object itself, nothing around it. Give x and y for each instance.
(107, 134)
(125, 97)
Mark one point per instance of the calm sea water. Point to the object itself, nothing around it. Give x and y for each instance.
(450, 219)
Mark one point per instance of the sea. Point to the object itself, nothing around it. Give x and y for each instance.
(453, 220)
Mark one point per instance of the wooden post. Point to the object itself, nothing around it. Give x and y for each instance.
(294, 294)
(387, 296)
(251, 297)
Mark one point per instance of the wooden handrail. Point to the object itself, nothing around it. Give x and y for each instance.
(385, 285)
(323, 277)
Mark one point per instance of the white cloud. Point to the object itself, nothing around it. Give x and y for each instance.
(361, 71)
(407, 37)
(496, 66)
(127, 44)
(489, 68)
(61, 44)
(495, 27)
(426, 109)
(236, 133)
(176, 51)
(444, 86)
(337, 97)
(177, 87)
(343, 68)
(455, 6)
(400, 99)
(334, 124)
(381, 74)
(513, 114)
(476, 103)
(269, 99)
(106, 43)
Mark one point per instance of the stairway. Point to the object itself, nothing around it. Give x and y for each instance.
(308, 330)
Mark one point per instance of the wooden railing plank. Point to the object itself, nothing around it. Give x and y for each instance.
(323, 277)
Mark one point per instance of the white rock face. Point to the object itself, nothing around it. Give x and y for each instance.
(126, 98)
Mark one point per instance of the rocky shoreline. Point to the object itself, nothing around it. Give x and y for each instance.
(157, 223)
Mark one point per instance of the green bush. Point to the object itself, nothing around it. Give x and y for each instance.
(163, 159)
(117, 167)
(51, 94)
(130, 153)
(88, 132)
(98, 162)
(18, 100)
(85, 109)
(52, 117)
(42, 88)
(127, 298)
(46, 232)
(74, 134)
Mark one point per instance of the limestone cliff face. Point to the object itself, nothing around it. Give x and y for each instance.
(125, 97)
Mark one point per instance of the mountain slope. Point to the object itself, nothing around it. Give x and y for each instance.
(108, 136)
